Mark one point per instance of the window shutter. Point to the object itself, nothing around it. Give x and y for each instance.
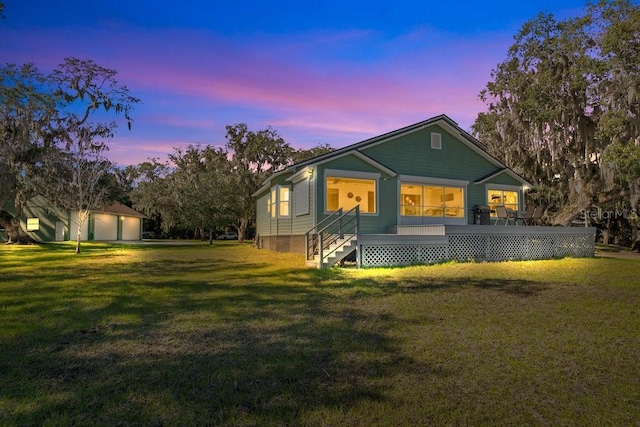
(301, 194)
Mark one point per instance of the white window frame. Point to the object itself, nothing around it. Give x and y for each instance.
(280, 201)
(274, 201)
(437, 182)
(338, 173)
(503, 187)
(436, 141)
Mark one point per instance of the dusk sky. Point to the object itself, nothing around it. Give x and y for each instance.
(323, 72)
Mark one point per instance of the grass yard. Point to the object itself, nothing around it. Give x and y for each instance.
(231, 335)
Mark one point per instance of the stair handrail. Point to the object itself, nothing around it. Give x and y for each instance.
(356, 210)
(341, 232)
(310, 237)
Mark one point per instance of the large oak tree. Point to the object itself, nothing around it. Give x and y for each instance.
(254, 156)
(567, 92)
(50, 143)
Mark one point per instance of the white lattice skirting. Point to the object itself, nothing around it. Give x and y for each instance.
(477, 243)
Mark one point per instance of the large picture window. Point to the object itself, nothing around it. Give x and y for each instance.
(431, 201)
(347, 193)
(502, 197)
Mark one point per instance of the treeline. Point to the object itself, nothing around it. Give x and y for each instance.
(201, 190)
(54, 144)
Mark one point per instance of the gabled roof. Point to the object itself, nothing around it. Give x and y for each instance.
(120, 209)
(442, 120)
(360, 155)
(498, 172)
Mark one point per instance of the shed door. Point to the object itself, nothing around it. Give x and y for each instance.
(130, 228)
(60, 231)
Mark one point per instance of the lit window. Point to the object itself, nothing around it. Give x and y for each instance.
(271, 203)
(431, 200)
(411, 200)
(453, 202)
(283, 201)
(502, 197)
(279, 202)
(347, 193)
(33, 224)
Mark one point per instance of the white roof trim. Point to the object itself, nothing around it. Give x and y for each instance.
(275, 174)
(300, 176)
(262, 189)
(455, 132)
(526, 184)
(382, 168)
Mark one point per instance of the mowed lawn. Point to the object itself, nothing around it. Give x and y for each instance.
(231, 335)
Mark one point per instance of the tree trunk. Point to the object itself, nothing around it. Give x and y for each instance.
(211, 237)
(579, 201)
(242, 230)
(83, 216)
(606, 235)
(15, 233)
(78, 238)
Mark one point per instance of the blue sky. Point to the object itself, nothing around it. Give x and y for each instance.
(325, 72)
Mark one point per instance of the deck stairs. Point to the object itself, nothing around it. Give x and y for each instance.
(333, 239)
(336, 252)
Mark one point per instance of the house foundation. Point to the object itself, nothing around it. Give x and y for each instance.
(293, 243)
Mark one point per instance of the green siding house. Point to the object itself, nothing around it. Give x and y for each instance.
(423, 177)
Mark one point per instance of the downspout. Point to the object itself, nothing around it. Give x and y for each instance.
(120, 220)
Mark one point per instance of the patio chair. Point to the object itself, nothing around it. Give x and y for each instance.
(527, 215)
(502, 214)
(537, 215)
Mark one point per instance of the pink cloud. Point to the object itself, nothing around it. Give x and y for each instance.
(242, 74)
